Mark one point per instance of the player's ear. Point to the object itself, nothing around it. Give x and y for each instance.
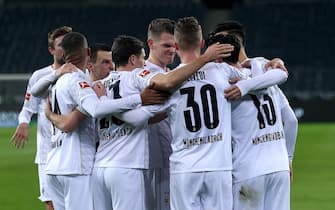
(88, 50)
(150, 43)
(51, 50)
(90, 66)
(202, 43)
(177, 46)
(131, 59)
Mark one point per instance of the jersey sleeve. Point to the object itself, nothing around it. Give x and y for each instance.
(30, 104)
(290, 124)
(40, 88)
(269, 78)
(142, 114)
(89, 103)
(142, 77)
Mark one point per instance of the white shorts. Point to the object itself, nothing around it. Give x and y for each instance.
(71, 192)
(267, 192)
(44, 188)
(118, 189)
(201, 191)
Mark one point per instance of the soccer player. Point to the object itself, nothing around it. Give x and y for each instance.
(199, 114)
(70, 160)
(101, 62)
(69, 175)
(261, 182)
(33, 105)
(162, 51)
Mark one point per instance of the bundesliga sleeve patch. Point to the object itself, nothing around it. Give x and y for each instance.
(27, 97)
(83, 85)
(144, 73)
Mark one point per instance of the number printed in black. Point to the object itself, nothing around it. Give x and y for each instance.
(208, 104)
(268, 108)
(55, 110)
(104, 122)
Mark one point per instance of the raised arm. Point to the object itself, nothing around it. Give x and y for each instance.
(40, 88)
(169, 81)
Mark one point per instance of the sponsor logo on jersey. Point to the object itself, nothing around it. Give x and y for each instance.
(83, 85)
(144, 73)
(27, 97)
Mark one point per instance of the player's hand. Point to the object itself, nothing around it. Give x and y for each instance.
(65, 68)
(151, 96)
(234, 80)
(99, 89)
(276, 63)
(217, 51)
(291, 171)
(20, 137)
(232, 93)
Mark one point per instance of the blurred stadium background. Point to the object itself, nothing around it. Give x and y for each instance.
(298, 31)
(301, 32)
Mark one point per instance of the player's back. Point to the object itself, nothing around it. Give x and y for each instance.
(258, 137)
(200, 119)
(73, 152)
(121, 144)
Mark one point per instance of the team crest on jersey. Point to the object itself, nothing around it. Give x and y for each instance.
(83, 85)
(144, 73)
(27, 97)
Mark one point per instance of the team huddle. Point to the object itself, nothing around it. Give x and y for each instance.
(118, 132)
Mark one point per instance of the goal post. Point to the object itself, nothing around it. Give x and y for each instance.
(12, 92)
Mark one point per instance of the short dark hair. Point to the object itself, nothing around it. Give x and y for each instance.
(160, 25)
(227, 39)
(232, 27)
(125, 46)
(54, 34)
(95, 48)
(73, 44)
(188, 33)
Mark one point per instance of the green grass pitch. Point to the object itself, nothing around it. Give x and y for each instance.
(314, 171)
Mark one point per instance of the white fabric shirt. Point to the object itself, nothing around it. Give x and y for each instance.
(200, 119)
(33, 105)
(73, 152)
(121, 144)
(258, 137)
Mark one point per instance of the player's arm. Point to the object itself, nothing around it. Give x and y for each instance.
(98, 108)
(30, 107)
(290, 123)
(66, 123)
(169, 81)
(40, 88)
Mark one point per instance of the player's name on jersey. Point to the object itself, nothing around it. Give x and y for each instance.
(202, 140)
(199, 75)
(105, 135)
(268, 137)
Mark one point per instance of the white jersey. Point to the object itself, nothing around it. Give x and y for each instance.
(200, 119)
(160, 135)
(258, 137)
(73, 152)
(121, 144)
(33, 105)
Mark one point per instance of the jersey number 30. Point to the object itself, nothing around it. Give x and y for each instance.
(208, 104)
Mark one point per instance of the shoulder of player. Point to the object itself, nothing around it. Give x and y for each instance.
(42, 72)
